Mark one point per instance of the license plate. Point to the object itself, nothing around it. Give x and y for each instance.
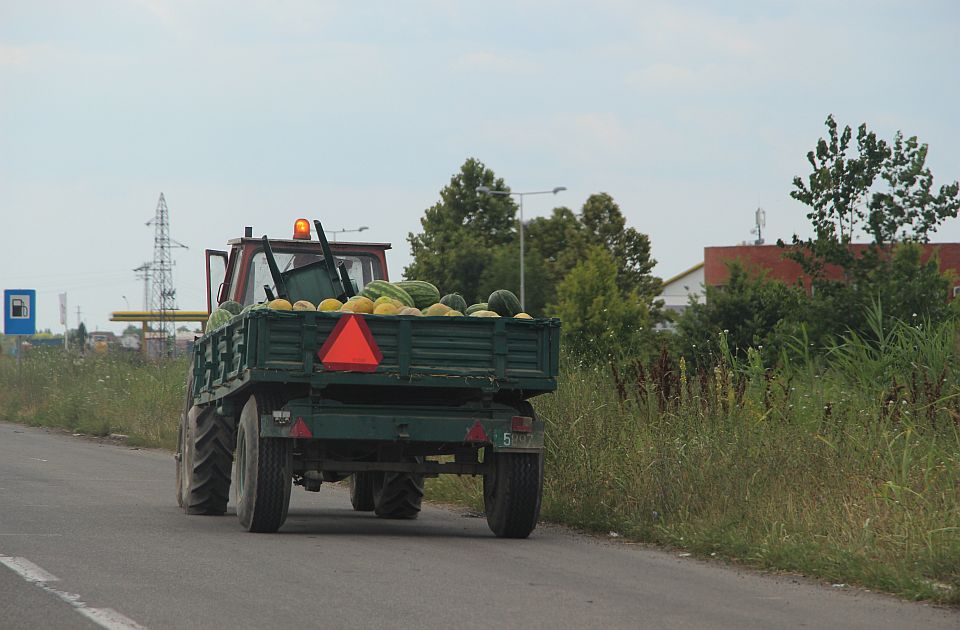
(512, 439)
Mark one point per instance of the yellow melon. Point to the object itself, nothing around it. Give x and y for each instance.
(280, 305)
(436, 309)
(362, 305)
(522, 316)
(330, 304)
(304, 305)
(385, 309)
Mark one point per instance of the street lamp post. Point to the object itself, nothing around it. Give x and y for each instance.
(505, 193)
(335, 232)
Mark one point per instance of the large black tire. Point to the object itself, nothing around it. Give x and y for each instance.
(397, 495)
(263, 472)
(512, 492)
(205, 445)
(361, 491)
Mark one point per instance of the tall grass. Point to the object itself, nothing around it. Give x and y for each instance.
(848, 471)
(95, 395)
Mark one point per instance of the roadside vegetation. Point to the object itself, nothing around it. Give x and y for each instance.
(816, 433)
(95, 395)
(844, 467)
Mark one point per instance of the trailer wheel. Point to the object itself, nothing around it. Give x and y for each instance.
(397, 494)
(512, 492)
(361, 491)
(263, 471)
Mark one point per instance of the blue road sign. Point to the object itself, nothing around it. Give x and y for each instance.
(19, 312)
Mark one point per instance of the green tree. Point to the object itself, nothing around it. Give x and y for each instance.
(886, 192)
(460, 230)
(558, 241)
(600, 317)
(78, 338)
(750, 311)
(606, 226)
(503, 272)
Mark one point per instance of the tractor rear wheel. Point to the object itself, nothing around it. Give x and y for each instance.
(397, 494)
(263, 471)
(205, 445)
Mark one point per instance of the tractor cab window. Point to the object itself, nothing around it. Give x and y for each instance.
(361, 268)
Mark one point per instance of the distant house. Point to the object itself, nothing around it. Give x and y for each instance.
(678, 290)
(714, 271)
(770, 258)
(130, 341)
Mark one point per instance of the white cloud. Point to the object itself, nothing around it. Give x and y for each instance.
(13, 56)
(496, 63)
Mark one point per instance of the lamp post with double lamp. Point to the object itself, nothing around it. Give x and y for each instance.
(506, 193)
(335, 232)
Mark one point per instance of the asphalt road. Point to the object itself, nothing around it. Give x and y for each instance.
(91, 536)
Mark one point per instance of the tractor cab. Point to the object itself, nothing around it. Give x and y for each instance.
(249, 273)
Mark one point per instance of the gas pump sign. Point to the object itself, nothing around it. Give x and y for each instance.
(19, 312)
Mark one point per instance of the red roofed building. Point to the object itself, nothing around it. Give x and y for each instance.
(771, 259)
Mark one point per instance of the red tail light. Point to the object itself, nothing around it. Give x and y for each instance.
(522, 424)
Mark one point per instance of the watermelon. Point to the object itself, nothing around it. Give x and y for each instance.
(454, 301)
(473, 308)
(504, 303)
(218, 318)
(381, 288)
(230, 305)
(423, 293)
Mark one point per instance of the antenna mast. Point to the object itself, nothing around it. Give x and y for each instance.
(164, 294)
(760, 218)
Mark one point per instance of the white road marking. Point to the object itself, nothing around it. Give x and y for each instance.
(27, 570)
(106, 618)
(110, 619)
(38, 459)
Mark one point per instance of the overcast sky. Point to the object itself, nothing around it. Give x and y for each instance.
(691, 114)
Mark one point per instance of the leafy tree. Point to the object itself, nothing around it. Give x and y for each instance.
(558, 242)
(460, 230)
(78, 337)
(600, 316)
(503, 272)
(886, 192)
(606, 226)
(750, 311)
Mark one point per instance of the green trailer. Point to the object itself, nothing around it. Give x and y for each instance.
(282, 398)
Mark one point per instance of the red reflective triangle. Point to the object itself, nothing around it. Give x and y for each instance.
(350, 347)
(300, 430)
(476, 433)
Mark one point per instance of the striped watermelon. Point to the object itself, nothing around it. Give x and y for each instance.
(381, 288)
(423, 293)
